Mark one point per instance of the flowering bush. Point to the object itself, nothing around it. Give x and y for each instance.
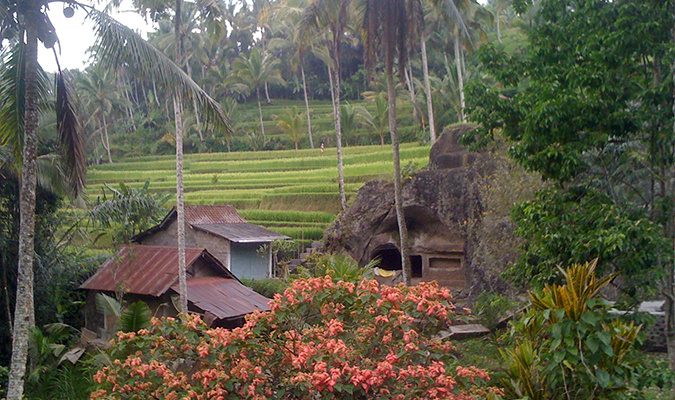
(323, 338)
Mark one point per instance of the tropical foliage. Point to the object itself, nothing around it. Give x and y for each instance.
(568, 346)
(128, 211)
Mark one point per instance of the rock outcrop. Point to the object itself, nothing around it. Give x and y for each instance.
(439, 202)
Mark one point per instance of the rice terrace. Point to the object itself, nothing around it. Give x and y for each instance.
(337, 199)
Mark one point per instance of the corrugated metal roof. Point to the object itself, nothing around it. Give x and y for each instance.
(224, 298)
(201, 215)
(242, 232)
(148, 270)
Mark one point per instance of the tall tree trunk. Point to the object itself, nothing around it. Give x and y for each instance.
(24, 311)
(427, 89)
(460, 76)
(106, 138)
(154, 90)
(309, 119)
(499, 28)
(267, 94)
(195, 109)
(199, 123)
(411, 90)
(335, 95)
(180, 205)
(670, 234)
(670, 313)
(398, 190)
(5, 289)
(262, 125)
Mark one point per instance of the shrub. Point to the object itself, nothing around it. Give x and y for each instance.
(491, 308)
(568, 346)
(266, 287)
(324, 338)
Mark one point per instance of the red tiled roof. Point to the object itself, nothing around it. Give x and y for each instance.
(146, 270)
(223, 298)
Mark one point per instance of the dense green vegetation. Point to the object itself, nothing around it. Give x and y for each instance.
(580, 91)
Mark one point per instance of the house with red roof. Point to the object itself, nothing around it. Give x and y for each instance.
(150, 274)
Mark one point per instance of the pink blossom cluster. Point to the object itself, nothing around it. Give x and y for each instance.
(323, 338)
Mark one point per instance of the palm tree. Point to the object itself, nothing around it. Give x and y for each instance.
(253, 72)
(331, 16)
(288, 22)
(349, 120)
(389, 27)
(290, 122)
(27, 23)
(103, 96)
(452, 11)
(23, 85)
(212, 12)
(379, 120)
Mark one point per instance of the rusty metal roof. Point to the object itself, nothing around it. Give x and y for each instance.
(224, 298)
(200, 215)
(242, 233)
(146, 270)
(196, 215)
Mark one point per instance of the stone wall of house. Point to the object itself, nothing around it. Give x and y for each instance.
(219, 247)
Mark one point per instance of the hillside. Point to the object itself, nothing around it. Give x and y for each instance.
(293, 192)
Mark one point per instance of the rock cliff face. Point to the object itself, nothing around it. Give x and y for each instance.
(439, 203)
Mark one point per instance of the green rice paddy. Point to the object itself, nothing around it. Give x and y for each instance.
(293, 192)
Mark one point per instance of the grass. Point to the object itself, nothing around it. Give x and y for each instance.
(293, 192)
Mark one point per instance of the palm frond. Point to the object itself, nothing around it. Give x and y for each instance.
(107, 305)
(135, 317)
(71, 144)
(12, 100)
(116, 44)
(50, 174)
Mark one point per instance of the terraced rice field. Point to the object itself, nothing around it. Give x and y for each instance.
(293, 192)
(321, 112)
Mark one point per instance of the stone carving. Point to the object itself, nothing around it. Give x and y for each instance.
(439, 203)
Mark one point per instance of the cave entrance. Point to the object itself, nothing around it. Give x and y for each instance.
(390, 260)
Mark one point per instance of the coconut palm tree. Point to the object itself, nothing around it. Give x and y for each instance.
(389, 29)
(349, 115)
(290, 122)
(331, 17)
(253, 72)
(103, 96)
(378, 120)
(288, 16)
(26, 23)
(212, 12)
(451, 10)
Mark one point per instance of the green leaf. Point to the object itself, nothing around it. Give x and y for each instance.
(135, 317)
(605, 338)
(603, 378)
(590, 318)
(555, 343)
(556, 331)
(558, 356)
(593, 344)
